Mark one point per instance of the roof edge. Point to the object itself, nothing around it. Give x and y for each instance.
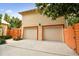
(27, 11)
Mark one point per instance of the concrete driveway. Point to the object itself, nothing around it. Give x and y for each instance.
(28, 47)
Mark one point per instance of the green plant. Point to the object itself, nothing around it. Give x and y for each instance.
(72, 20)
(7, 37)
(55, 10)
(18, 38)
(2, 41)
(7, 17)
(14, 22)
(0, 18)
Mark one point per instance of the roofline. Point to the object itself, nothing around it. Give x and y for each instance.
(27, 11)
(4, 23)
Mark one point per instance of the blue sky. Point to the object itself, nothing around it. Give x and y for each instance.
(13, 8)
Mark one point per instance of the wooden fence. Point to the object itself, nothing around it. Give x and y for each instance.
(71, 35)
(15, 32)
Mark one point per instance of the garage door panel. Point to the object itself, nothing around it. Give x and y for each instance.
(30, 33)
(52, 33)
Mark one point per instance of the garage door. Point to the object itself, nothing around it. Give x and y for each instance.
(53, 33)
(30, 33)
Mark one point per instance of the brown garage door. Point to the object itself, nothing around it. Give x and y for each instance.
(30, 33)
(53, 33)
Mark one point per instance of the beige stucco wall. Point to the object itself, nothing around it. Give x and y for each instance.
(4, 26)
(34, 18)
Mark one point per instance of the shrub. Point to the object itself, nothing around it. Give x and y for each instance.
(73, 20)
(6, 37)
(2, 41)
(18, 38)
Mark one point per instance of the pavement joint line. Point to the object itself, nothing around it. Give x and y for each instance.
(39, 51)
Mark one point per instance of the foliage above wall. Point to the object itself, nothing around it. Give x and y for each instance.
(55, 10)
(69, 10)
(73, 20)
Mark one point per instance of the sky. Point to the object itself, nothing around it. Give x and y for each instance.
(13, 8)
